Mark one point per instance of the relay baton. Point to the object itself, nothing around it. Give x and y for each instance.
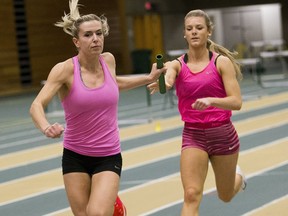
(162, 86)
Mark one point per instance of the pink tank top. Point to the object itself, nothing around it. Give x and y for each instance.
(191, 86)
(91, 116)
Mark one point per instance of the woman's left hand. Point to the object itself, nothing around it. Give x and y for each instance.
(201, 104)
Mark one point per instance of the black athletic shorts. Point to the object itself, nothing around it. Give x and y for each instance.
(74, 162)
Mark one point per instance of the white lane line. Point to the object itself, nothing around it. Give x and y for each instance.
(23, 142)
(148, 182)
(168, 205)
(266, 205)
(270, 126)
(42, 138)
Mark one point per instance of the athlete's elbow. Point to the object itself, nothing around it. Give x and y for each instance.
(237, 105)
(32, 109)
(35, 106)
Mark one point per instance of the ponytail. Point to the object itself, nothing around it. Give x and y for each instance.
(225, 52)
(70, 22)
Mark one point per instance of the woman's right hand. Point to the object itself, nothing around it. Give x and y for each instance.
(153, 87)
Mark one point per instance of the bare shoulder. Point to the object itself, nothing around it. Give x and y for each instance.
(174, 66)
(63, 66)
(225, 67)
(176, 63)
(62, 70)
(223, 60)
(108, 57)
(110, 61)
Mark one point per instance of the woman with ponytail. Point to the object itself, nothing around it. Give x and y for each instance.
(206, 85)
(88, 87)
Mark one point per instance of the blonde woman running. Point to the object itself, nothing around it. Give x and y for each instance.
(89, 91)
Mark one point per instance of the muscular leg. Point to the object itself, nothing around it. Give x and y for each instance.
(227, 182)
(194, 168)
(77, 187)
(94, 196)
(104, 191)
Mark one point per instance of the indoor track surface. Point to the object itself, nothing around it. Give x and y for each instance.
(30, 164)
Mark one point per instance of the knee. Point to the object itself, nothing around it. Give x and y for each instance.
(192, 195)
(225, 197)
(97, 211)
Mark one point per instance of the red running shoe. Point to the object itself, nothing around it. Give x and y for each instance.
(119, 208)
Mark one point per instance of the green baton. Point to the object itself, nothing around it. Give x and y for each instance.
(162, 86)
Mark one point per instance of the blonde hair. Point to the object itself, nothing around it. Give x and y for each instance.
(214, 46)
(70, 22)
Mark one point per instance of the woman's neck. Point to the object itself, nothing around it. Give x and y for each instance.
(198, 55)
(90, 63)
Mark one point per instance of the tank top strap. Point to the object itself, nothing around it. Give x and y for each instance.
(76, 67)
(213, 56)
(106, 70)
(104, 66)
(181, 59)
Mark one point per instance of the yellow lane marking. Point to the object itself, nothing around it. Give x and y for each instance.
(156, 151)
(22, 157)
(39, 182)
(160, 192)
(266, 156)
(276, 207)
(170, 190)
(152, 195)
(150, 128)
(30, 185)
(163, 149)
(54, 150)
(276, 152)
(262, 122)
(29, 156)
(265, 101)
(170, 123)
(48, 177)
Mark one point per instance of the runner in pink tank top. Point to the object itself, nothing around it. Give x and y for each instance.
(84, 107)
(207, 89)
(89, 90)
(205, 83)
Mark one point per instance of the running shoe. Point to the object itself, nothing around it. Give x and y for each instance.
(119, 208)
(244, 181)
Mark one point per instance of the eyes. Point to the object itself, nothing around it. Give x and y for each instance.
(190, 28)
(91, 34)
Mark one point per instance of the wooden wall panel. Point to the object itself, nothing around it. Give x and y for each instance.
(49, 44)
(9, 70)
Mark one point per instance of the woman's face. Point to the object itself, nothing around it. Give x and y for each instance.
(90, 38)
(196, 31)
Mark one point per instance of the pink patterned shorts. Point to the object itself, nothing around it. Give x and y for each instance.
(219, 140)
